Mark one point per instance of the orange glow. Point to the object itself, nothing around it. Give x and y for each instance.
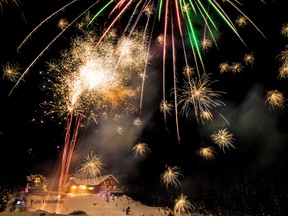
(73, 188)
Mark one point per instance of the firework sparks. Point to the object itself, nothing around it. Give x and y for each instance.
(284, 30)
(166, 107)
(96, 76)
(208, 153)
(224, 67)
(171, 17)
(223, 138)
(92, 166)
(11, 72)
(170, 177)
(236, 67)
(206, 44)
(283, 58)
(91, 80)
(241, 21)
(283, 71)
(174, 15)
(120, 130)
(188, 71)
(198, 94)
(206, 116)
(137, 122)
(63, 23)
(182, 206)
(276, 99)
(141, 149)
(249, 59)
(16, 2)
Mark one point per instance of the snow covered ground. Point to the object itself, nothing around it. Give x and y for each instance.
(92, 205)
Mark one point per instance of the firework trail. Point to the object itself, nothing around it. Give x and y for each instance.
(71, 139)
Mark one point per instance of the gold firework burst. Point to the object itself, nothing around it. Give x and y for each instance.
(241, 21)
(11, 72)
(236, 67)
(170, 177)
(275, 99)
(92, 166)
(249, 59)
(182, 206)
(224, 67)
(223, 138)
(63, 23)
(166, 107)
(284, 30)
(208, 153)
(141, 149)
(199, 94)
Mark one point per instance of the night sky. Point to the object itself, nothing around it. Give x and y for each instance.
(31, 146)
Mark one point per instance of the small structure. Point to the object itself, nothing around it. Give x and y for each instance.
(36, 184)
(79, 184)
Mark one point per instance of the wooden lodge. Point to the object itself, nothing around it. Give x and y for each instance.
(36, 184)
(80, 184)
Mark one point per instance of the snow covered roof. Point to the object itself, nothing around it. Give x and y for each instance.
(81, 179)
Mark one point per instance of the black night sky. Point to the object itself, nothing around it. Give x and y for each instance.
(257, 165)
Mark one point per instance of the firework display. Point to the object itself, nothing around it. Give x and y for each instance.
(93, 82)
(105, 72)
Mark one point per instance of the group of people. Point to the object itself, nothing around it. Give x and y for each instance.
(105, 191)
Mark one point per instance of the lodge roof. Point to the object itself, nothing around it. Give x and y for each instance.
(33, 176)
(80, 179)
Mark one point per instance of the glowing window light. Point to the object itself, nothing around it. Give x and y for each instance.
(82, 187)
(37, 180)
